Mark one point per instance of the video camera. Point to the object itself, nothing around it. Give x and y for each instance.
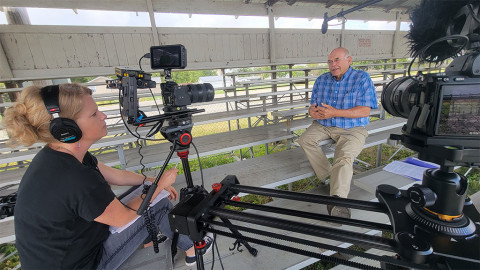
(175, 98)
(443, 109)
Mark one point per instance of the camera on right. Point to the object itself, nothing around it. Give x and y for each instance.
(443, 112)
(443, 121)
(443, 109)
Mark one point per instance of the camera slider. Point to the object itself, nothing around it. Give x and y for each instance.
(418, 245)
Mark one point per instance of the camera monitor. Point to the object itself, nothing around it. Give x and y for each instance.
(460, 109)
(168, 57)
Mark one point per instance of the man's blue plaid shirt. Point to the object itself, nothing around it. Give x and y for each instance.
(355, 88)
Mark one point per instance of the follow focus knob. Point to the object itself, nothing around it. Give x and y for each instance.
(422, 196)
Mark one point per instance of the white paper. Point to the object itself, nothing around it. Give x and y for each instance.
(137, 192)
(405, 169)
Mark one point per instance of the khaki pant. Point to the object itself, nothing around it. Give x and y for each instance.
(349, 144)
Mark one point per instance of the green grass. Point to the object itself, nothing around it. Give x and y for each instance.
(11, 262)
(320, 265)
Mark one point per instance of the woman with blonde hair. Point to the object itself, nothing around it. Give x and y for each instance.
(65, 204)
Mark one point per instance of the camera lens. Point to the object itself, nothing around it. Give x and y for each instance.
(399, 96)
(203, 92)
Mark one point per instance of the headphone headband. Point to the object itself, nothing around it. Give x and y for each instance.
(50, 98)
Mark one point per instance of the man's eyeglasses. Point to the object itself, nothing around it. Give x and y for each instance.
(336, 60)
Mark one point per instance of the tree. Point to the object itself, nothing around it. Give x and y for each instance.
(191, 76)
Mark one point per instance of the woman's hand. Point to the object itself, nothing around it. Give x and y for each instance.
(173, 193)
(168, 177)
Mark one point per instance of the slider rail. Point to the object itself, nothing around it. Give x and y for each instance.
(312, 198)
(308, 229)
(309, 243)
(314, 216)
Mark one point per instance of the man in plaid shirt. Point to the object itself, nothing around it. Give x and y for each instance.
(341, 103)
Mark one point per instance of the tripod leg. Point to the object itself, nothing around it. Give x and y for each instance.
(250, 249)
(153, 187)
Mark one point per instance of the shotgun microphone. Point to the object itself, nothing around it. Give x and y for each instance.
(325, 23)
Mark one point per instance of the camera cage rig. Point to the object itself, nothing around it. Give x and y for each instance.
(176, 113)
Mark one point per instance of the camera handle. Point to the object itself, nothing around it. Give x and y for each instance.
(168, 74)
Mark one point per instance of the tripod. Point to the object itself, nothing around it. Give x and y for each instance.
(181, 140)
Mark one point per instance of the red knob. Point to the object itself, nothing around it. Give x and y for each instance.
(236, 198)
(200, 244)
(217, 187)
(185, 139)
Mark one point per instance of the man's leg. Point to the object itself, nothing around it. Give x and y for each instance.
(349, 144)
(309, 143)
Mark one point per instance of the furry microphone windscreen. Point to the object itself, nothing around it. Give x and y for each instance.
(430, 21)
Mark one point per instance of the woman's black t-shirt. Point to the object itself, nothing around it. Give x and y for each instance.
(58, 200)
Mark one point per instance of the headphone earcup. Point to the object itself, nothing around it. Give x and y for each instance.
(65, 130)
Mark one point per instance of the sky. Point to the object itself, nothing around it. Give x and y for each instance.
(39, 16)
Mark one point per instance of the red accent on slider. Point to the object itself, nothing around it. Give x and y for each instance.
(236, 198)
(217, 187)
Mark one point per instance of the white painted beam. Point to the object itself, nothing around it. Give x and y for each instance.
(271, 31)
(5, 71)
(239, 8)
(153, 25)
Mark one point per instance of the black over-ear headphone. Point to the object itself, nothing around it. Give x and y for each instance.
(62, 129)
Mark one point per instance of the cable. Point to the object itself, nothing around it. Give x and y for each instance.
(199, 163)
(213, 252)
(341, 23)
(126, 125)
(154, 100)
(147, 55)
(127, 206)
(152, 230)
(470, 7)
(422, 52)
(140, 147)
(218, 252)
(451, 37)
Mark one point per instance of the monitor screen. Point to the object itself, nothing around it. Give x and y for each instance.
(168, 57)
(460, 110)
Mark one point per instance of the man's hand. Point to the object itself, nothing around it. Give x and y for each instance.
(326, 111)
(322, 112)
(313, 111)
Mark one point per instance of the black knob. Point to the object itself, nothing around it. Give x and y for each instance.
(422, 196)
